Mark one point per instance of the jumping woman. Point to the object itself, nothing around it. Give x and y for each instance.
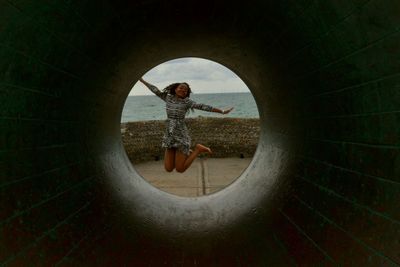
(176, 140)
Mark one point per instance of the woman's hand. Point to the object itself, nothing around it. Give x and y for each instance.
(226, 111)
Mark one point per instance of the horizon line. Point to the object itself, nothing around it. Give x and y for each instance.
(209, 93)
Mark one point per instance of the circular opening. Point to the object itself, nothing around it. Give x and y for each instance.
(232, 137)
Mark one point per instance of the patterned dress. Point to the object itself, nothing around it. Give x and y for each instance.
(176, 133)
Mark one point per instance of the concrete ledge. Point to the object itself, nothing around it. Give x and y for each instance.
(205, 176)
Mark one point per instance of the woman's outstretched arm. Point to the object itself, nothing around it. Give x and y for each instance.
(209, 108)
(222, 111)
(154, 89)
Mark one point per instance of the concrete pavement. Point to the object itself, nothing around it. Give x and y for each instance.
(205, 176)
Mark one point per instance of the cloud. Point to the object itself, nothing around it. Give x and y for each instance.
(204, 76)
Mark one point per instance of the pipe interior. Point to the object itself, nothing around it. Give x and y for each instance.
(322, 188)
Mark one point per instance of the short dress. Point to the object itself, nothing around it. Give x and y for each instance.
(176, 134)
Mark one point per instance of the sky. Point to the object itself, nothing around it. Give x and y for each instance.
(203, 76)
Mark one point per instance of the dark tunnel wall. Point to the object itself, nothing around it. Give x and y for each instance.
(323, 188)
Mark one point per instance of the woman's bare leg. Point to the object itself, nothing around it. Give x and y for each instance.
(169, 159)
(182, 161)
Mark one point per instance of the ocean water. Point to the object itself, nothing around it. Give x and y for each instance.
(150, 107)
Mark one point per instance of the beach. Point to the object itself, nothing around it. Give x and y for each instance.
(232, 140)
(227, 137)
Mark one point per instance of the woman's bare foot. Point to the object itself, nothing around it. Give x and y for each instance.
(203, 149)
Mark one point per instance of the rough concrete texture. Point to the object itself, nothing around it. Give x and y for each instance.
(323, 188)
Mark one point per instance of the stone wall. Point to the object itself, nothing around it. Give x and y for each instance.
(227, 137)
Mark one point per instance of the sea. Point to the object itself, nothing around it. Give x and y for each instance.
(150, 107)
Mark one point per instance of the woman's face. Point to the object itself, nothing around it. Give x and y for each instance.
(182, 90)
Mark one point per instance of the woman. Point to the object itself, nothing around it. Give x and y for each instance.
(176, 139)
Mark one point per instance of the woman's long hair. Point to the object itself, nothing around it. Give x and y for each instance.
(170, 89)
